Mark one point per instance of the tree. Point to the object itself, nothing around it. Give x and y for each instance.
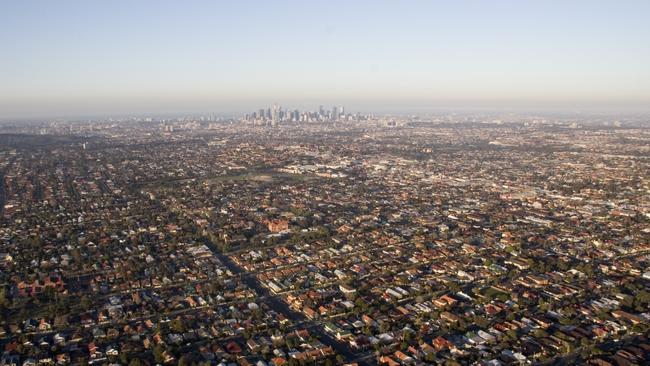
(481, 321)
(184, 361)
(177, 325)
(158, 353)
(642, 298)
(4, 301)
(85, 302)
(430, 357)
(406, 336)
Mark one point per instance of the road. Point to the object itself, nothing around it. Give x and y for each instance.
(283, 308)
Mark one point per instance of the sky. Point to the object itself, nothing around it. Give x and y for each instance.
(81, 58)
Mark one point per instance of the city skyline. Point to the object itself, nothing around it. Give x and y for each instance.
(94, 59)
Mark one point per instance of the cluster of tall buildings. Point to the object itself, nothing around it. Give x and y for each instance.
(276, 114)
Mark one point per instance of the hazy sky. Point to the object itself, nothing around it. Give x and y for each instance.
(66, 58)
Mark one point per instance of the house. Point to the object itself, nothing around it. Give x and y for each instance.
(387, 360)
(276, 226)
(278, 361)
(404, 358)
(111, 351)
(347, 290)
(233, 347)
(310, 313)
(445, 315)
(440, 343)
(252, 345)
